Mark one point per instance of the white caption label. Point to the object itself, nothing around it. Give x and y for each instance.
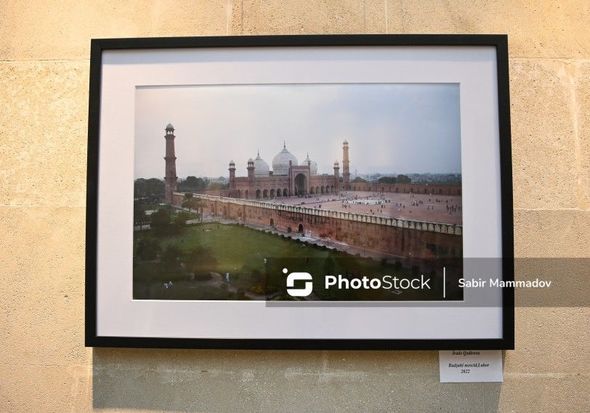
(469, 366)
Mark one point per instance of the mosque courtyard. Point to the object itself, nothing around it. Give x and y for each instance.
(443, 209)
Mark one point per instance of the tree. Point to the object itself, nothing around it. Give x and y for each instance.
(194, 184)
(161, 222)
(188, 201)
(387, 180)
(148, 249)
(194, 205)
(139, 216)
(171, 257)
(201, 260)
(152, 189)
(217, 186)
(180, 220)
(403, 179)
(198, 204)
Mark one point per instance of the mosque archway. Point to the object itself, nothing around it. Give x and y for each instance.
(285, 192)
(258, 194)
(300, 228)
(300, 184)
(272, 193)
(265, 193)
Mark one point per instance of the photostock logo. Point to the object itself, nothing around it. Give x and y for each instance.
(298, 276)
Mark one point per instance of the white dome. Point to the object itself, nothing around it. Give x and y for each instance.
(280, 163)
(313, 166)
(260, 166)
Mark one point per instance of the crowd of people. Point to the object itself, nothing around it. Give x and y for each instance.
(427, 207)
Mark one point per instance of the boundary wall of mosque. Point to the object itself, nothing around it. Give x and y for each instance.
(389, 236)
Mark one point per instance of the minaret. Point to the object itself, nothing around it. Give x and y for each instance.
(251, 177)
(232, 176)
(171, 179)
(345, 167)
(337, 176)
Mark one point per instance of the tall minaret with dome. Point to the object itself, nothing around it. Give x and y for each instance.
(170, 180)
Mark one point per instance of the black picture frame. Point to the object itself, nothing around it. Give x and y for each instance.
(98, 46)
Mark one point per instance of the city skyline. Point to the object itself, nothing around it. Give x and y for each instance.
(391, 128)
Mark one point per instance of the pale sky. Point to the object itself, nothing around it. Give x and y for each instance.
(391, 128)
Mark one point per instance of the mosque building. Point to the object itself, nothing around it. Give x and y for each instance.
(288, 177)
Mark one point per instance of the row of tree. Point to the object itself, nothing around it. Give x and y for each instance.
(400, 179)
(194, 184)
(164, 223)
(152, 189)
(163, 218)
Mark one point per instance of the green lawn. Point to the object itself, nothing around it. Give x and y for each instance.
(236, 247)
(254, 260)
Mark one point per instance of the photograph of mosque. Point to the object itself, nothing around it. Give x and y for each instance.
(360, 180)
(286, 178)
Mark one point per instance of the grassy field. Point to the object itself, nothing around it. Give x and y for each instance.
(203, 254)
(236, 247)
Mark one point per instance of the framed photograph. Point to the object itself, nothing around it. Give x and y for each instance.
(300, 192)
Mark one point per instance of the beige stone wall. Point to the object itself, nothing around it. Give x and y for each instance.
(44, 49)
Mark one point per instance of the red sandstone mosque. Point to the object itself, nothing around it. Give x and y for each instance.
(287, 177)
(290, 178)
